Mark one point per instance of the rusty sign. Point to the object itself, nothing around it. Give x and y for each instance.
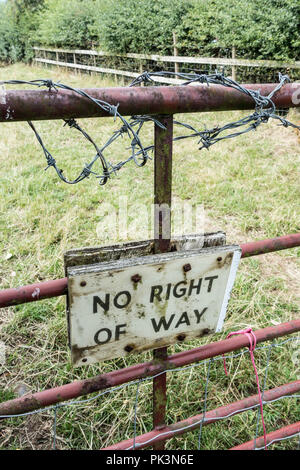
(135, 304)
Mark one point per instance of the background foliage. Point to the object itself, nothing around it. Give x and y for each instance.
(261, 29)
(9, 43)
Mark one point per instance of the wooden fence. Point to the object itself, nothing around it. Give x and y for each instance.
(88, 60)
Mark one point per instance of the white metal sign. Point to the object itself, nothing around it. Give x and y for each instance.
(137, 304)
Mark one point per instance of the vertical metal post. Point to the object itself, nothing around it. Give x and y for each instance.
(163, 141)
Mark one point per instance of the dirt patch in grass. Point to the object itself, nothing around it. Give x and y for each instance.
(34, 433)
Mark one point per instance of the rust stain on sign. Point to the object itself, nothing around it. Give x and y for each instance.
(120, 307)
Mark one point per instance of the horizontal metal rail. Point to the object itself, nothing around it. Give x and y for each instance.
(79, 388)
(272, 437)
(212, 416)
(31, 105)
(33, 292)
(270, 245)
(59, 287)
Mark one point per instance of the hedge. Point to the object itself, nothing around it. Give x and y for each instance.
(260, 29)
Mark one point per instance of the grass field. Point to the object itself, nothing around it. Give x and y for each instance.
(249, 187)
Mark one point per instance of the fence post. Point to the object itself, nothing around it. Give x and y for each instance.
(95, 64)
(141, 71)
(175, 52)
(233, 70)
(163, 141)
(78, 71)
(45, 57)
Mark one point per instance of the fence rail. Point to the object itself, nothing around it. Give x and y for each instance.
(210, 417)
(179, 59)
(59, 287)
(123, 73)
(278, 435)
(32, 105)
(141, 60)
(80, 388)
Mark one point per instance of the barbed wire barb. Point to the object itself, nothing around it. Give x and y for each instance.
(264, 110)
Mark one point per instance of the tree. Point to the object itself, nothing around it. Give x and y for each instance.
(260, 29)
(10, 50)
(69, 23)
(20, 18)
(143, 26)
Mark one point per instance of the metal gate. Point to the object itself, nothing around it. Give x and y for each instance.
(163, 102)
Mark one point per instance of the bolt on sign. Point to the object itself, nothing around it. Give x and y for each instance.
(139, 303)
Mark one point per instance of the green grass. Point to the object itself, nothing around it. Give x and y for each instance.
(249, 187)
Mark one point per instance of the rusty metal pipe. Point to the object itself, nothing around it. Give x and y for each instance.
(83, 387)
(163, 147)
(272, 244)
(58, 287)
(32, 105)
(212, 416)
(274, 436)
(33, 292)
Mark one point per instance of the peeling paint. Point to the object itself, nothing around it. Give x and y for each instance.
(36, 293)
(2, 94)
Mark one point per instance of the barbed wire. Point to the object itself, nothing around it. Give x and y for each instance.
(265, 110)
(112, 110)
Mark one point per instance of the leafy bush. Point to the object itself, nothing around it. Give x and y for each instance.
(69, 23)
(260, 29)
(10, 49)
(18, 21)
(140, 26)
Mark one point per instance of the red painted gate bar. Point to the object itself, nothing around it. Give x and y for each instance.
(58, 287)
(272, 244)
(33, 292)
(32, 105)
(192, 423)
(286, 431)
(101, 382)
